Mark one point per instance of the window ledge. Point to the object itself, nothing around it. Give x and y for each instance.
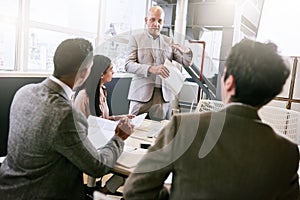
(24, 74)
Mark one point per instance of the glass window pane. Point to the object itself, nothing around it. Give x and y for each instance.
(42, 45)
(7, 46)
(296, 106)
(75, 14)
(276, 32)
(124, 15)
(9, 8)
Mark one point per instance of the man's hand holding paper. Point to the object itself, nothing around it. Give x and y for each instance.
(181, 49)
(175, 80)
(124, 128)
(160, 70)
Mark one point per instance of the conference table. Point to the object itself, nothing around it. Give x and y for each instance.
(136, 145)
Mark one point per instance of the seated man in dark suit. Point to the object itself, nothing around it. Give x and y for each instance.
(230, 154)
(48, 148)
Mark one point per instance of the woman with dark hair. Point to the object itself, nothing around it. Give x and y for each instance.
(91, 99)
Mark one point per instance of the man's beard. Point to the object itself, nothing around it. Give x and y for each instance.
(154, 31)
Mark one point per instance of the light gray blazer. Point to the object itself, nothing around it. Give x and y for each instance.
(241, 158)
(141, 57)
(48, 148)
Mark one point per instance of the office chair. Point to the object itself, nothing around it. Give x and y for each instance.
(285, 122)
(206, 105)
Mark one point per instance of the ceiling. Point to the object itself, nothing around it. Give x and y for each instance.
(190, 1)
(166, 1)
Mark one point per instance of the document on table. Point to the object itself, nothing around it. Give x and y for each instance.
(102, 130)
(175, 80)
(131, 156)
(149, 129)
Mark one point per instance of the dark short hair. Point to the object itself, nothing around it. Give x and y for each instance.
(259, 72)
(70, 55)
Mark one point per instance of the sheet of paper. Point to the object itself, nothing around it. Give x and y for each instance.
(111, 125)
(100, 130)
(106, 124)
(169, 179)
(130, 158)
(138, 120)
(175, 80)
(2, 159)
(149, 129)
(99, 137)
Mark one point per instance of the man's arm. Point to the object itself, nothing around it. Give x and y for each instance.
(182, 55)
(73, 143)
(146, 185)
(149, 176)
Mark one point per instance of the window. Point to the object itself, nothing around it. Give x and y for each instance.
(285, 31)
(8, 33)
(7, 45)
(119, 19)
(285, 34)
(30, 30)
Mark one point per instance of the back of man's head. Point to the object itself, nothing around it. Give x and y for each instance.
(258, 70)
(70, 55)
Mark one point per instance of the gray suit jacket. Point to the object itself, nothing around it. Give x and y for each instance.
(141, 57)
(229, 154)
(48, 148)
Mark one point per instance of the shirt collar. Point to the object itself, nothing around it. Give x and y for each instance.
(64, 86)
(240, 104)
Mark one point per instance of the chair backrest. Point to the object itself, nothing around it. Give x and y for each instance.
(283, 121)
(205, 105)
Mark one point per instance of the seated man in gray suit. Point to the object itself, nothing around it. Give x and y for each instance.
(48, 148)
(230, 154)
(147, 54)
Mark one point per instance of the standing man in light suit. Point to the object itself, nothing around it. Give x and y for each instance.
(147, 54)
(48, 148)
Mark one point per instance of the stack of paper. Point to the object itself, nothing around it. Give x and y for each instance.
(130, 158)
(148, 129)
